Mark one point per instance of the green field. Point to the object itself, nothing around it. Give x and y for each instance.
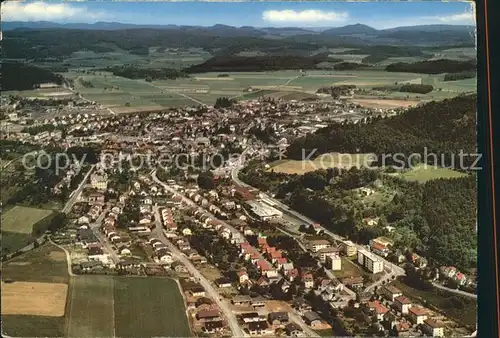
(44, 264)
(97, 306)
(91, 307)
(423, 173)
(159, 304)
(121, 94)
(21, 219)
(19, 227)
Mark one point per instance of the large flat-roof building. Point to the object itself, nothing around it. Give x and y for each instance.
(371, 262)
(263, 211)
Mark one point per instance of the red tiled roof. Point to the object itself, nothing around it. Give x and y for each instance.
(378, 307)
(418, 311)
(403, 300)
(281, 260)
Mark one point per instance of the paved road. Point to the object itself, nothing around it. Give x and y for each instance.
(102, 239)
(458, 292)
(277, 87)
(391, 269)
(77, 192)
(231, 318)
(68, 258)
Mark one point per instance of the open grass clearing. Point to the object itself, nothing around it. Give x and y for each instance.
(324, 161)
(42, 264)
(91, 312)
(38, 299)
(159, 303)
(423, 173)
(384, 103)
(21, 219)
(45, 265)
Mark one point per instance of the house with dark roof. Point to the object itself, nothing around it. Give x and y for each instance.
(277, 318)
(293, 330)
(208, 315)
(312, 318)
(258, 328)
(213, 326)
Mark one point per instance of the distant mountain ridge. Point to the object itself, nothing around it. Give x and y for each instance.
(348, 29)
(356, 34)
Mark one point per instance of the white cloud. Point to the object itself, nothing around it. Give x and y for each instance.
(458, 18)
(42, 11)
(306, 16)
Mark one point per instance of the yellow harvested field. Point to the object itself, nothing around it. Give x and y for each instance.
(214, 78)
(374, 103)
(278, 86)
(58, 256)
(35, 299)
(325, 161)
(332, 75)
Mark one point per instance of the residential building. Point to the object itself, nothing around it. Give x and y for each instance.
(278, 318)
(417, 314)
(402, 304)
(312, 319)
(334, 263)
(241, 300)
(293, 330)
(99, 181)
(378, 309)
(371, 262)
(348, 248)
(433, 328)
(319, 244)
(327, 252)
(390, 292)
(258, 328)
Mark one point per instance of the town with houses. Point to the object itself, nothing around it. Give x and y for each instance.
(242, 266)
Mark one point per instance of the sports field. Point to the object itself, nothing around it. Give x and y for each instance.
(324, 161)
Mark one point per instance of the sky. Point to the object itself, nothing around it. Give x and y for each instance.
(376, 14)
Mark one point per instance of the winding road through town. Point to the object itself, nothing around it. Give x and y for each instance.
(231, 318)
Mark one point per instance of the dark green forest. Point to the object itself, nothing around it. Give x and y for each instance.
(436, 219)
(443, 128)
(21, 76)
(258, 63)
(459, 76)
(433, 67)
(134, 72)
(416, 88)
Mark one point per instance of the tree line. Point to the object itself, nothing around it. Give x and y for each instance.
(21, 76)
(433, 67)
(444, 128)
(149, 74)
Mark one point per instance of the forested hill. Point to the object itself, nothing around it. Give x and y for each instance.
(444, 128)
(20, 76)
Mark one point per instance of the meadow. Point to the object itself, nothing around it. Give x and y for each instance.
(45, 266)
(86, 306)
(324, 161)
(424, 173)
(125, 95)
(19, 227)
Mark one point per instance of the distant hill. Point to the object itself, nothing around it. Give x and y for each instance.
(351, 29)
(43, 39)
